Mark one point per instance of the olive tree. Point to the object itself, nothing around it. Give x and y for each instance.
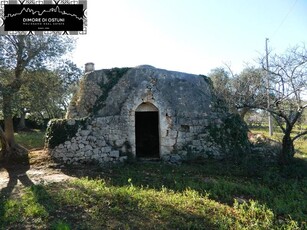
(240, 91)
(287, 91)
(288, 84)
(46, 93)
(19, 54)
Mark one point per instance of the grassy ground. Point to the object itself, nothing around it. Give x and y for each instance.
(300, 144)
(30, 140)
(139, 195)
(211, 195)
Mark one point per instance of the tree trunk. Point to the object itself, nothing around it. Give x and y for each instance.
(22, 121)
(243, 112)
(8, 122)
(287, 151)
(4, 144)
(9, 146)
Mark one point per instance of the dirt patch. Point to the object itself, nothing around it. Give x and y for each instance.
(37, 168)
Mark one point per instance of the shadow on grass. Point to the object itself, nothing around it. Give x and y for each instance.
(190, 175)
(16, 168)
(129, 207)
(17, 171)
(86, 206)
(282, 189)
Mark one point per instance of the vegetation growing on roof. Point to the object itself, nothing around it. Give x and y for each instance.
(113, 76)
(207, 79)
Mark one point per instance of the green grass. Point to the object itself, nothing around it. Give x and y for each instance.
(139, 195)
(159, 196)
(31, 140)
(300, 144)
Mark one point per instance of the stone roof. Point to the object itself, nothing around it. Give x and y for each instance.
(109, 92)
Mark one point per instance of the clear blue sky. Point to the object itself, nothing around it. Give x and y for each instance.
(192, 36)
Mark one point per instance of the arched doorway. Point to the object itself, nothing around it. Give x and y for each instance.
(147, 131)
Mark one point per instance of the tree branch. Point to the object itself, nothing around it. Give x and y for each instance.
(299, 135)
(229, 69)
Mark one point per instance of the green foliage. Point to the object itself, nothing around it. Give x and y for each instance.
(26, 54)
(221, 83)
(253, 215)
(231, 135)
(11, 211)
(114, 75)
(60, 225)
(240, 92)
(43, 94)
(61, 130)
(34, 51)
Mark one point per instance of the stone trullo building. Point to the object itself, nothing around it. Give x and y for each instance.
(145, 112)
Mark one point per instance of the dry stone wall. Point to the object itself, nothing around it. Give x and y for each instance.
(191, 124)
(92, 144)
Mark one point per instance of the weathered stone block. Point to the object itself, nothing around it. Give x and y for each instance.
(114, 153)
(196, 142)
(96, 151)
(101, 143)
(123, 158)
(175, 159)
(91, 138)
(85, 132)
(74, 146)
(106, 149)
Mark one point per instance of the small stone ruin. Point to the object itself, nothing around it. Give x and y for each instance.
(148, 113)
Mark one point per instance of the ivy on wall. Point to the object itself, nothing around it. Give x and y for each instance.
(231, 135)
(61, 130)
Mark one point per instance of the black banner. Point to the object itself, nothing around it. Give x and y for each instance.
(44, 17)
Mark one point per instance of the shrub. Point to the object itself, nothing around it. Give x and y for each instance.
(61, 130)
